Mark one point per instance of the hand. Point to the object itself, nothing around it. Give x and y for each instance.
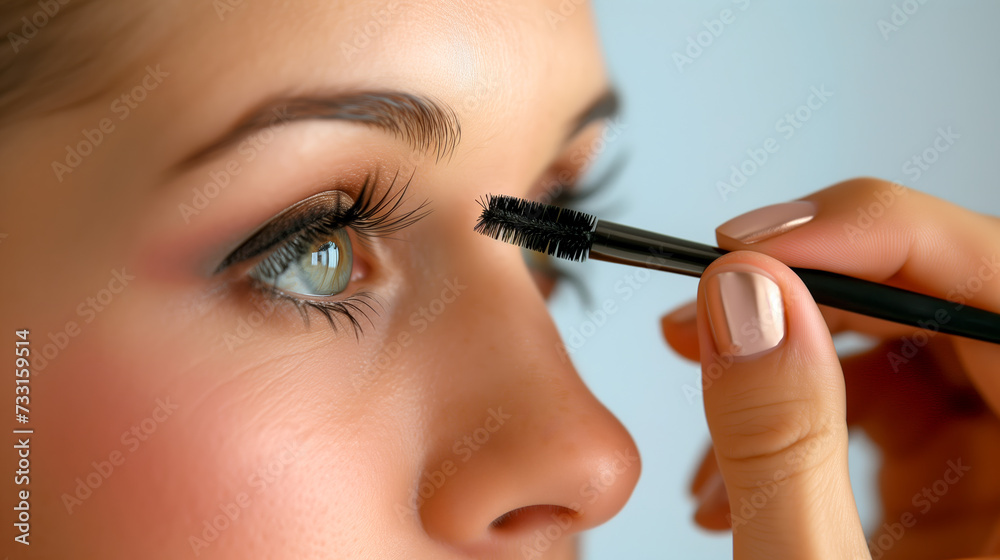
(779, 401)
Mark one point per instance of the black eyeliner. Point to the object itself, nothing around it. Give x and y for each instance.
(283, 227)
(285, 236)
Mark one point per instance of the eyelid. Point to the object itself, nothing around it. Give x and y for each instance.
(570, 177)
(288, 223)
(273, 247)
(369, 215)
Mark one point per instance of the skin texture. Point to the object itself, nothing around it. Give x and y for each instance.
(185, 415)
(188, 395)
(777, 472)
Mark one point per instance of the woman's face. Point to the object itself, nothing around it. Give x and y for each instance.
(190, 396)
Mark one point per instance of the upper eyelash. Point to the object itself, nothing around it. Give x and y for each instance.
(571, 197)
(368, 216)
(567, 197)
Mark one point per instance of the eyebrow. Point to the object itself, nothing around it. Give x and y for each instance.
(423, 123)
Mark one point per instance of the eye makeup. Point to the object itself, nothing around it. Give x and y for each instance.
(304, 255)
(570, 186)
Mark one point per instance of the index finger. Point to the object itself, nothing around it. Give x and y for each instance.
(883, 232)
(887, 233)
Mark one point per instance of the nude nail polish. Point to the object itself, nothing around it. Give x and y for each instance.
(767, 222)
(746, 312)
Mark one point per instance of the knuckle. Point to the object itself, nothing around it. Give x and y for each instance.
(864, 188)
(788, 435)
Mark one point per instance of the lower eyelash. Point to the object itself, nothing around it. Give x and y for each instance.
(349, 310)
(569, 197)
(368, 217)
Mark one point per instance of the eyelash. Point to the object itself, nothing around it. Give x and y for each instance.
(569, 196)
(369, 217)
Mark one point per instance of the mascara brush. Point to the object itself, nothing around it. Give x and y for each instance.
(578, 236)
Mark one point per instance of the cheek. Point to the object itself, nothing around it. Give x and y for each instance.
(186, 448)
(132, 453)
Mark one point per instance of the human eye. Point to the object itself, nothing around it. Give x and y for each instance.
(573, 182)
(311, 253)
(319, 265)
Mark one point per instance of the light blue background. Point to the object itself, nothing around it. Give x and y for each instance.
(686, 127)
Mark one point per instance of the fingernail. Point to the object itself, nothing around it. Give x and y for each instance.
(712, 495)
(745, 311)
(767, 222)
(684, 314)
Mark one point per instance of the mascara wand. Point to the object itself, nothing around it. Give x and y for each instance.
(578, 236)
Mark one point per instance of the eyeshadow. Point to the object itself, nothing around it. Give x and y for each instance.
(290, 221)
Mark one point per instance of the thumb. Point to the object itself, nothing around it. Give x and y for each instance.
(775, 402)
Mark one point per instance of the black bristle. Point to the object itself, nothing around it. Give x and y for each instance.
(552, 230)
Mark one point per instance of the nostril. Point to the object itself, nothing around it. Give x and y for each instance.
(533, 517)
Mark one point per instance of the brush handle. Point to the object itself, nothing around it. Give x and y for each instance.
(635, 247)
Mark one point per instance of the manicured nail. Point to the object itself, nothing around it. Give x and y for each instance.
(685, 313)
(767, 222)
(745, 311)
(712, 496)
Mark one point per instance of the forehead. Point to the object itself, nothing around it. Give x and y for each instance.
(488, 60)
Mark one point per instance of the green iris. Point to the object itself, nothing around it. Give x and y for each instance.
(322, 269)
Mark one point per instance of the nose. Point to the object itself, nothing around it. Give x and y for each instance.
(523, 454)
